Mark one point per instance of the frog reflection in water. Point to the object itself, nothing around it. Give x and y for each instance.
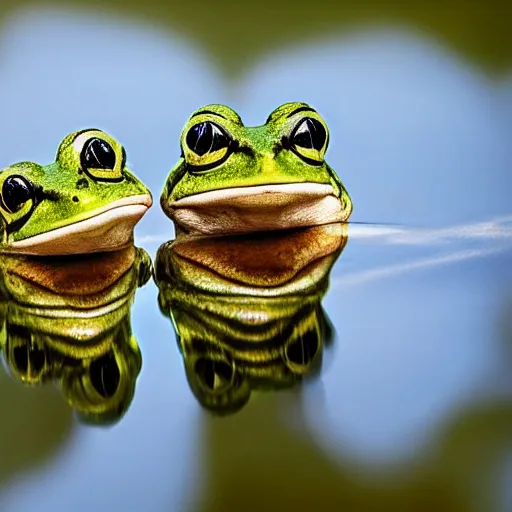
(236, 179)
(86, 201)
(68, 320)
(246, 309)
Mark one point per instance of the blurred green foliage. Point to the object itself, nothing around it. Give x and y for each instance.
(254, 462)
(35, 423)
(237, 33)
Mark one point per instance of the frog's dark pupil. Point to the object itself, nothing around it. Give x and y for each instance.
(206, 137)
(21, 358)
(98, 154)
(25, 355)
(38, 359)
(16, 191)
(310, 134)
(214, 374)
(303, 350)
(104, 374)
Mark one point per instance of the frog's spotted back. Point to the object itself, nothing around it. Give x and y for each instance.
(236, 179)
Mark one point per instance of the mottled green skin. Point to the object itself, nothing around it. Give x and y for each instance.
(214, 320)
(68, 194)
(260, 158)
(56, 315)
(92, 405)
(39, 343)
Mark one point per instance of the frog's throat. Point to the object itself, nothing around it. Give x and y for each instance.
(258, 208)
(106, 229)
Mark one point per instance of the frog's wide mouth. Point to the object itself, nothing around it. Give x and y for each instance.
(258, 208)
(108, 228)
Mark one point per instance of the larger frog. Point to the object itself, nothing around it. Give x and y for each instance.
(236, 179)
(247, 310)
(86, 201)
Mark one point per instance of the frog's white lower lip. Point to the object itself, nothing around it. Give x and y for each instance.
(106, 229)
(258, 208)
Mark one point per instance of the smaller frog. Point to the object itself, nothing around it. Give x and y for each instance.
(67, 320)
(236, 179)
(87, 201)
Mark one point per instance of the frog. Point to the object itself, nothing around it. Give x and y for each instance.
(99, 387)
(246, 309)
(231, 178)
(74, 303)
(67, 320)
(86, 201)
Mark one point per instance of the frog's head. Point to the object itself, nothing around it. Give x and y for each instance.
(86, 201)
(232, 178)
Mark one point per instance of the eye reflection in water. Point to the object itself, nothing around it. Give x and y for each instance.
(67, 320)
(247, 308)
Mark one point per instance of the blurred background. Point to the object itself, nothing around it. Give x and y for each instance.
(413, 409)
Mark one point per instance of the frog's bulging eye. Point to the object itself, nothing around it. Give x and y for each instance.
(100, 159)
(309, 140)
(28, 358)
(301, 351)
(104, 374)
(310, 134)
(214, 375)
(16, 191)
(98, 154)
(206, 138)
(207, 145)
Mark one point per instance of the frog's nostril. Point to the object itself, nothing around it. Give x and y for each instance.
(82, 183)
(16, 191)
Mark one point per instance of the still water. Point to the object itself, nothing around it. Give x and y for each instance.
(391, 390)
(394, 391)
